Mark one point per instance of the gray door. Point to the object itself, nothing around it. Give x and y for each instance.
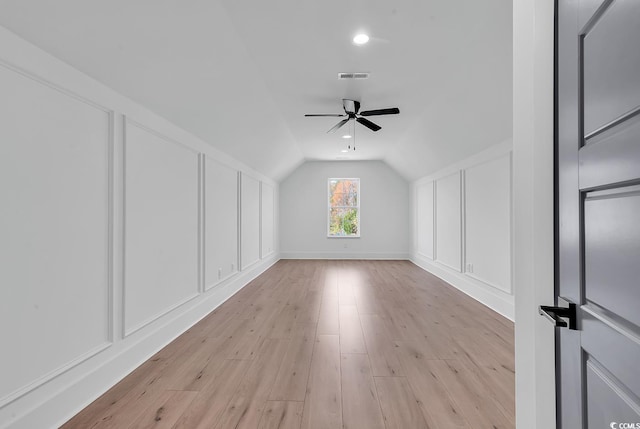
(598, 212)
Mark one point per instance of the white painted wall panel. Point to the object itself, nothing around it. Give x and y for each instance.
(221, 222)
(448, 221)
(250, 220)
(488, 222)
(161, 226)
(424, 219)
(54, 231)
(266, 219)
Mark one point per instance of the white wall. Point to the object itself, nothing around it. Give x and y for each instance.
(384, 212)
(461, 227)
(113, 226)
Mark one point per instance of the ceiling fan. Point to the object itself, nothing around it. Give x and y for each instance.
(351, 109)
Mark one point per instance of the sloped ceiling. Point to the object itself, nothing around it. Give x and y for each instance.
(240, 74)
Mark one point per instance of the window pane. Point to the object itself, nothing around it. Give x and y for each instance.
(343, 193)
(343, 222)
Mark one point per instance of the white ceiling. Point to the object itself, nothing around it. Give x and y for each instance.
(241, 74)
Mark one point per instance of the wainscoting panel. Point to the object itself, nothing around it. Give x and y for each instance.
(54, 231)
(102, 235)
(488, 222)
(220, 222)
(250, 220)
(448, 221)
(266, 219)
(161, 226)
(424, 219)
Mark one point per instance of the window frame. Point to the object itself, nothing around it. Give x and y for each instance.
(357, 207)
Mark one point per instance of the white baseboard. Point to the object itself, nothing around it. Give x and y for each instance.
(496, 299)
(55, 402)
(344, 255)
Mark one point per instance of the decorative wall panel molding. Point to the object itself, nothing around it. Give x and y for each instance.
(55, 230)
(221, 222)
(267, 241)
(250, 221)
(488, 222)
(424, 224)
(448, 235)
(161, 226)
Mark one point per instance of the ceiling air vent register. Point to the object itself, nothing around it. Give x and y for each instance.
(353, 75)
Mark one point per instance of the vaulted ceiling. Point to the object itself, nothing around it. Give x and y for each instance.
(241, 74)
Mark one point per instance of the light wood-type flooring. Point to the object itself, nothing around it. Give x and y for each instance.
(327, 344)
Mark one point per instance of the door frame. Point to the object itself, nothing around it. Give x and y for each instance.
(533, 199)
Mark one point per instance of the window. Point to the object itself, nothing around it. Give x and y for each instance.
(344, 208)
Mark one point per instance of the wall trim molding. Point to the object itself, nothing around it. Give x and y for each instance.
(17, 394)
(501, 303)
(345, 255)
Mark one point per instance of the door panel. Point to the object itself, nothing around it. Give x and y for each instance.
(612, 252)
(614, 350)
(611, 63)
(606, 400)
(612, 156)
(598, 211)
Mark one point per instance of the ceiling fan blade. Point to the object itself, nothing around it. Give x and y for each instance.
(367, 123)
(338, 125)
(336, 115)
(391, 111)
(350, 106)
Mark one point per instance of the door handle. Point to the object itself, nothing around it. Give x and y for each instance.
(557, 315)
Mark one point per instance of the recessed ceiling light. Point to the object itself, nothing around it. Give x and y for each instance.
(345, 151)
(346, 136)
(361, 39)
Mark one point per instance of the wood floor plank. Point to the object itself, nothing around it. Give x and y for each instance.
(116, 398)
(323, 401)
(282, 415)
(309, 309)
(472, 398)
(211, 401)
(345, 291)
(438, 408)
(360, 406)
(351, 337)
(329, 319)
(193, 372)
(498, 377)
(163, 413)
(366, 299)
(381, 349)
(283, 323)
(247, 404)
(291, 382)
(399, 405)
